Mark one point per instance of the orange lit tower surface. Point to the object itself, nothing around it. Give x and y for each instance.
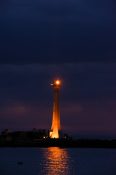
(55, 128)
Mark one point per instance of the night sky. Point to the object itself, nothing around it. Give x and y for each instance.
(73, 40)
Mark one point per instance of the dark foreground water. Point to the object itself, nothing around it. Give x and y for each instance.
(56, 161)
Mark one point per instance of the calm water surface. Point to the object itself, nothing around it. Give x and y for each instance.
(56, 161)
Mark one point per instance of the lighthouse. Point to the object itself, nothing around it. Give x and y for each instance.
(55, 127)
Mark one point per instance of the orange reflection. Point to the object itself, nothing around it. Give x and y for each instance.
(56, 161)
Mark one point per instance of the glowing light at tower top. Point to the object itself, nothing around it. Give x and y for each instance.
(56, 83)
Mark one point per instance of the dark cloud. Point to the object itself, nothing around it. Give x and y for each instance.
(76, 34)
(57, 31)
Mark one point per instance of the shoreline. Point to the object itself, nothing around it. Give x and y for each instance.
(62, 143)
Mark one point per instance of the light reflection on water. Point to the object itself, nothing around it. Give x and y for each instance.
(56, 162)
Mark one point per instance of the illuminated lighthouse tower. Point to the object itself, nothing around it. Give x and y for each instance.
(55, 128)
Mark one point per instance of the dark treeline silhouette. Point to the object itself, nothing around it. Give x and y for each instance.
(40, 138)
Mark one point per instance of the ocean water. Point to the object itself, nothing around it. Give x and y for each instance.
(57, 161)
